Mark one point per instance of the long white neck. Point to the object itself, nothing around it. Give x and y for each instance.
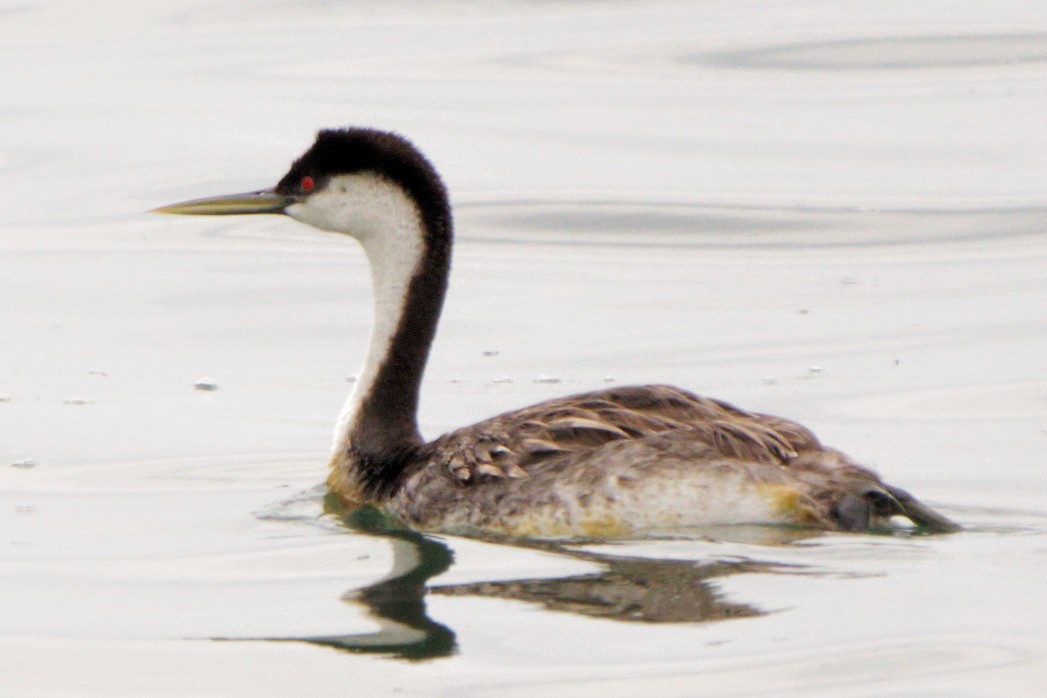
(394, 258)
(380, 415)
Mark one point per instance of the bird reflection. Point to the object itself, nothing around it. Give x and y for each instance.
(397, 602)
(628, 589)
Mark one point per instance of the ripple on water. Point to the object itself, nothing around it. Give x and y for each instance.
(652, 224)
(170, 476)
(888, 53)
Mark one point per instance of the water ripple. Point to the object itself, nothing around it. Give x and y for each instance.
(889, 53)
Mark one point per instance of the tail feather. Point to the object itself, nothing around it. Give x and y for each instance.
(921, 514)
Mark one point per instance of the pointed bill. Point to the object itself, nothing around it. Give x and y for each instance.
(265, 201)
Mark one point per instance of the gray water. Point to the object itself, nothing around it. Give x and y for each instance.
(830, 211)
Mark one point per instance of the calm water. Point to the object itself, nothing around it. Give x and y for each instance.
(831, 211)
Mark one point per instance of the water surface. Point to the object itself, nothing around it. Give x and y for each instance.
(833, 212)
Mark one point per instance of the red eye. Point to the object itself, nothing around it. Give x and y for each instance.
(307, 184)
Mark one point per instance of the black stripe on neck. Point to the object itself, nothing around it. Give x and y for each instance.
(386, 421)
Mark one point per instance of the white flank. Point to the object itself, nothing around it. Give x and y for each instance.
(388, 224)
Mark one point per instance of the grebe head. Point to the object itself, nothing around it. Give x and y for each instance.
(359, 182)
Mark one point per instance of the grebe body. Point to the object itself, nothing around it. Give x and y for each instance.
(618, 462)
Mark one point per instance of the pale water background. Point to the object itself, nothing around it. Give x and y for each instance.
(831, 210)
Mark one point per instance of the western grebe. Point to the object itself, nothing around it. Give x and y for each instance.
(616, 462)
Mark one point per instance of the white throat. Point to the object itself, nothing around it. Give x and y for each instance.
(388, 224)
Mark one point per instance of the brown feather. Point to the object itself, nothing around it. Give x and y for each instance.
(581, 423)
